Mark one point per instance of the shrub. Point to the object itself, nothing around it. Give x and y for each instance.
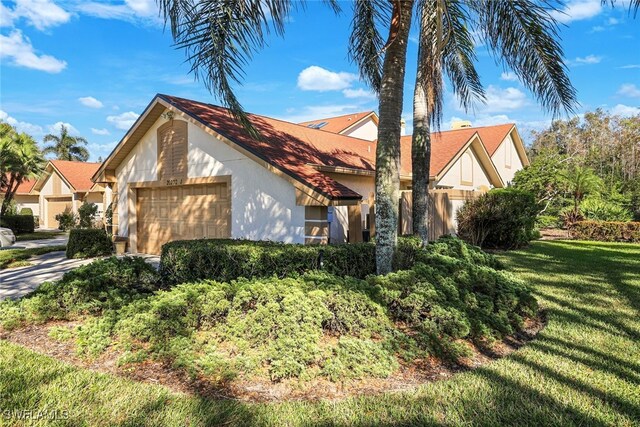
(607, 231)
(547, 221)
(596, 209)
(224, 260)
(89, 242)
(86, 214)
(503, 218)
(18, 223)
(26, 211)
(88, 290)
(66, 219)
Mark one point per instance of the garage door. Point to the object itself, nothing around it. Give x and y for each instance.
(55, 207)
(182, 213)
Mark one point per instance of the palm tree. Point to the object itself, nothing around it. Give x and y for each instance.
(21, 160)
(66, 147)
(521, 34)
(580, 181)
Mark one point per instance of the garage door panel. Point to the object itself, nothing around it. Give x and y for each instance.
(182, 213)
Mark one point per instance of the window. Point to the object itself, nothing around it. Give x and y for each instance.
(172, 150)
(466, 169)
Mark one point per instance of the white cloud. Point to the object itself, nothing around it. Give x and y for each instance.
(319, 79)
(314, 112)
(56, 128)
(90, 101)
(509, 76)
(613, 21)
(624, 110)
(123, 121)
(630, 66)
(41, 14)
(145, 11)
(499, 100)
(629, 90)
(359, 93)
(100, 131)
(578, 10)
(28, 128)
(21, 53)
(589, 59)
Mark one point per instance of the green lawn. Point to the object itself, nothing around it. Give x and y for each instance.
(583, 369)
(11, 258)
(39, 235)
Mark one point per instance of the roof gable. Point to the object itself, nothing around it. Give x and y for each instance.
(77, 175)
(339, 124)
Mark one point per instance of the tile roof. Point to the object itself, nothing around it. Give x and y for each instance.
(25, 186)
(339, 123)
(492, 136)
(291, 148)
(78, 174)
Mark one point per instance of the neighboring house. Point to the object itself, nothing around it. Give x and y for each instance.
(66, 184)
(188, 170)
(25, 198)
(362, 125)
(506, 149)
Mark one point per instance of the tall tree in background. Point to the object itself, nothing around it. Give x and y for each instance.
(66, 147)
(521, 34)
(20, 160)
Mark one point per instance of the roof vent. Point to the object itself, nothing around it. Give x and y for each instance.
(460, 124)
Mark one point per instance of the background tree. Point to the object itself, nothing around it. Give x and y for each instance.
(521, 34)
(20, 160)
(66, 147)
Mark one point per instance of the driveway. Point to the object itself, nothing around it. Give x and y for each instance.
(30, 244)
(17, 282)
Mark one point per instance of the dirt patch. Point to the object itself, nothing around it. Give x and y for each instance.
(554, 234)
(408, 377)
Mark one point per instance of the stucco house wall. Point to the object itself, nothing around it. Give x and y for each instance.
(367, 129)
(507, 160)
(263, 205)
(453, 177)
(30, 201)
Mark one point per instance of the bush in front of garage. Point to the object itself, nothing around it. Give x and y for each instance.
(18, 223)
(88, 243)
(226, 259)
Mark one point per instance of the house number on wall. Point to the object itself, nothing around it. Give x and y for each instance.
(174, 181)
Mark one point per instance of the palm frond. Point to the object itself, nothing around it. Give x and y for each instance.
(366, 43)
(524, 36)
(220, 37)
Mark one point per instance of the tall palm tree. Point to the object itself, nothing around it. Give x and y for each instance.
(21, 160)
(521, 34)
(66, 147)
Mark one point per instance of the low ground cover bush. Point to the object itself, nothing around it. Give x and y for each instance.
(597, 209)
(88, 242)
(19, 224)
(500, 219)
(313, 324)
(606, 231)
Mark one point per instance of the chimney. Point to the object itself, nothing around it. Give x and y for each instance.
(460, 124)
(403, 127)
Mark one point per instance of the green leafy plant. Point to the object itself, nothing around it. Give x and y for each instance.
(86, 214)
(606, 231)
(19, 224)
(597, 209)
(66, 219)
(88, 243)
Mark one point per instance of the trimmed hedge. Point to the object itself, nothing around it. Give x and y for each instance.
(226, 260)
(18, 223)
(607, 231)
(88, 243)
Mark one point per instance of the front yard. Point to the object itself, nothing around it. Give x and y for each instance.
(582, 369)
(12, 258)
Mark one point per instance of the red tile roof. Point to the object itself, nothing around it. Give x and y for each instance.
(339, 123)
(291, 148)
(492, 136)
(25, 186)
(78, 174)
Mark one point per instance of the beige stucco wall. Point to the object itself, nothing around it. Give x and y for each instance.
(263, 205)
(453, 176)
(506, 150)
(367, 129)
(27, 201)
(46, 191)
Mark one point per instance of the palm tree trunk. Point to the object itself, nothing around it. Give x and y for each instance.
(388, 147)
(8, 195)
(420, 161)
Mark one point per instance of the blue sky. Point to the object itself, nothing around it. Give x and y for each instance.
(96, 65)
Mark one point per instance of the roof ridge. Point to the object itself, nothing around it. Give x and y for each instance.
(337, 117)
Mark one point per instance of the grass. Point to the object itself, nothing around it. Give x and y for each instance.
(12, 258)
(583, 369)
(39, 235)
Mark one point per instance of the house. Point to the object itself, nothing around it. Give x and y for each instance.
(504, 145)
(363, 125)
(66, 185)
(24, 198)
(187, 170)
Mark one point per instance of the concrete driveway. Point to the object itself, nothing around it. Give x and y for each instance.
(29, 244)
(17, 282)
